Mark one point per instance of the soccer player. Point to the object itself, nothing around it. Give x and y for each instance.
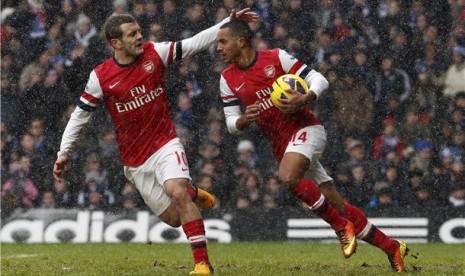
(295, 134)
(132, 85)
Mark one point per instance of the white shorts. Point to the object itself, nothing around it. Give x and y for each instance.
(168, 162)
(311, 142)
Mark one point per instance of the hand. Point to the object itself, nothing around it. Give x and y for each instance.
(245, 15)
(297, 101)
(251, 114)
(59, 166)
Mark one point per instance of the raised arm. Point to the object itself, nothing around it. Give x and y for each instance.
(175, 51)
(202, 40)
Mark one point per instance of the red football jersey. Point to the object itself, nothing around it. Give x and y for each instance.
(135, 96)
(254, 84)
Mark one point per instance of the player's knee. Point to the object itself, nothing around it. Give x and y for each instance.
(179, 197)
(288, 180)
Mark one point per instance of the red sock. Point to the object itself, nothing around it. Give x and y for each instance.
(310, 193)
(195, 232)
(368, 232)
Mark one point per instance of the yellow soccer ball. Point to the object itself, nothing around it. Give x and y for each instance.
(287, 81)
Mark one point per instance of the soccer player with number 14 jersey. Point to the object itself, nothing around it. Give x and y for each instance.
(297, 137)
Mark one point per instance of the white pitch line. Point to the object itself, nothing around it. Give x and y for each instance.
(19, 256)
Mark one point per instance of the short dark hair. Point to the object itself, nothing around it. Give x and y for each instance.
(112, 26)
(239, 28)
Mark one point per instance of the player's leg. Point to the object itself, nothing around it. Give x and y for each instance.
(201, 198)
(291, 172)
(163, 182)
(192, 223)
(396, 250)
(301, 152)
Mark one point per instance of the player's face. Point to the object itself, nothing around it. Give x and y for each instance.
(131, 41)
(228, 46)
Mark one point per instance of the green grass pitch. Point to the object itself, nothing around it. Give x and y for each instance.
(240, 258)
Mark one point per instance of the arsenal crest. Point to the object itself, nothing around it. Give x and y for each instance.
(148, 66)
(269, 71)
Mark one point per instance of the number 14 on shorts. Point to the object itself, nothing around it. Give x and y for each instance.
(299, 138)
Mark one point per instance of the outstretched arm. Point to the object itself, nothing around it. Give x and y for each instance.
(202, 40)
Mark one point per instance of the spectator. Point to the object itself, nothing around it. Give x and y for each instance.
(62, 195)
(48, 200)
(94, 166)
(388, 141)
(455, 73)
(413, 129)
(357, 156)
(185, 116)
(457, 195)
(94, 194)
(130, 199)
(249, 193)
(425, 93)
(353, 108)
(246, 153)
(19, 191)
(360, 188)
(391, 83)
(394, 178)
(364, 69)
(383, 197)
(424, 200)
(423, 156)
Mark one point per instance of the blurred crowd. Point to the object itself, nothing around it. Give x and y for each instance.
(394, 111)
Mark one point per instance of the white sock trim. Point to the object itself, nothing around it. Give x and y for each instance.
(365, 230)
(318, 203)
(198, 238)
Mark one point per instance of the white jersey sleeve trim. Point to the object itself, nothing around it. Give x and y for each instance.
(175, 51)
(316, 82)
(287, 60)
(93, 86)
(165, 50)
(231, 107)
(79, 118)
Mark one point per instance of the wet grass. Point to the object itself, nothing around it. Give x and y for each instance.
(264, 258)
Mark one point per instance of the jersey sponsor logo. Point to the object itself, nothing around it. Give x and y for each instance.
(264, 99)
(140, 97)
(270, 71)
(239, 87)
(184, 169)
(114, 84)
(148, 66)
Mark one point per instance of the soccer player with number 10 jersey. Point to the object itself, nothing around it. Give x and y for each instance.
(132, 86)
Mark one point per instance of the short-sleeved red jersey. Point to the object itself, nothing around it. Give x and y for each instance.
(254, 84)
